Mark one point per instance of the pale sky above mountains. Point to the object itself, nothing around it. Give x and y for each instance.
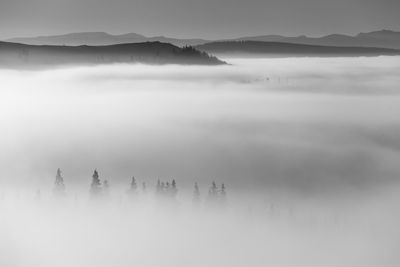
(210, 19)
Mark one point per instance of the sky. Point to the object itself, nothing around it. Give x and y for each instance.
(211, 19)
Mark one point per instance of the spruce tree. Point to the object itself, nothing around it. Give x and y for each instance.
(133, 187)
(95, 187)
(213, 190)
(213, 193)
(174, 189)
(222, 194)
(59, 186)
(133, 183)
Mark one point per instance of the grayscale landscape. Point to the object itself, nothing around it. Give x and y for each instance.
(199, 148)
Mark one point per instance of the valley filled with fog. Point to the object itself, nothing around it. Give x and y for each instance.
(308, 149)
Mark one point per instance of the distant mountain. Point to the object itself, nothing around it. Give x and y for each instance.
(102, 38)
(383, 38)
(277, 49)
(26, 56)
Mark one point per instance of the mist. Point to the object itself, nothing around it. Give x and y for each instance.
(308, 149)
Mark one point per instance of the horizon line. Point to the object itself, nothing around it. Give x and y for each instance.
(206, 39)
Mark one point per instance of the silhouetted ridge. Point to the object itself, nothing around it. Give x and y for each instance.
(101, 38)
(21, 55)
(288, 49)
(382, 38)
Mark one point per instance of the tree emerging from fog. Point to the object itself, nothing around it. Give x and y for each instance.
(167, 189)
(133, 187)
(95, 187)
(174, 189)
(164, 190)
(213, 191)
(222, 194)
(216, 196)
(59, 186)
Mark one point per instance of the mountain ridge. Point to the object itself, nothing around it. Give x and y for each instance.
(381, 38)
(101, 39)
(278, 49)
(17, 55)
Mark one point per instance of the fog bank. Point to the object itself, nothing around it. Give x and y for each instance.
(307, 148)
(309, 125)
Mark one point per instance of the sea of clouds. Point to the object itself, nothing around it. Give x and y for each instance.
(309, 149)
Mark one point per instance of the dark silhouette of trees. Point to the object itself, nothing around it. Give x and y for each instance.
(133, 190)
(217, 197)
(133, 183)
(133, 187)
(95, 187)
(222, 194)
(174, 189)
(166, 189)
(212, 197)
(213, 191)
(59, 186)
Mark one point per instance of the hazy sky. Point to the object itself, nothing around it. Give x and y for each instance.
(193, 18)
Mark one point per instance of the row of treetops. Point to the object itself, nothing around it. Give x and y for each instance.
(168, 189)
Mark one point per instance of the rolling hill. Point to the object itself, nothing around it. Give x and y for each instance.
(382, 38)
(22, 55)
(278, 49)
(102, 38)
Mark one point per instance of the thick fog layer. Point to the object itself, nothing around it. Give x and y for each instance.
(303, 124)
(308, 150)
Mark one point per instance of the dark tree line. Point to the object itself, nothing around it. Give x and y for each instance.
(134, 188)
(216, 195)
(95, 187)
(164, 189)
